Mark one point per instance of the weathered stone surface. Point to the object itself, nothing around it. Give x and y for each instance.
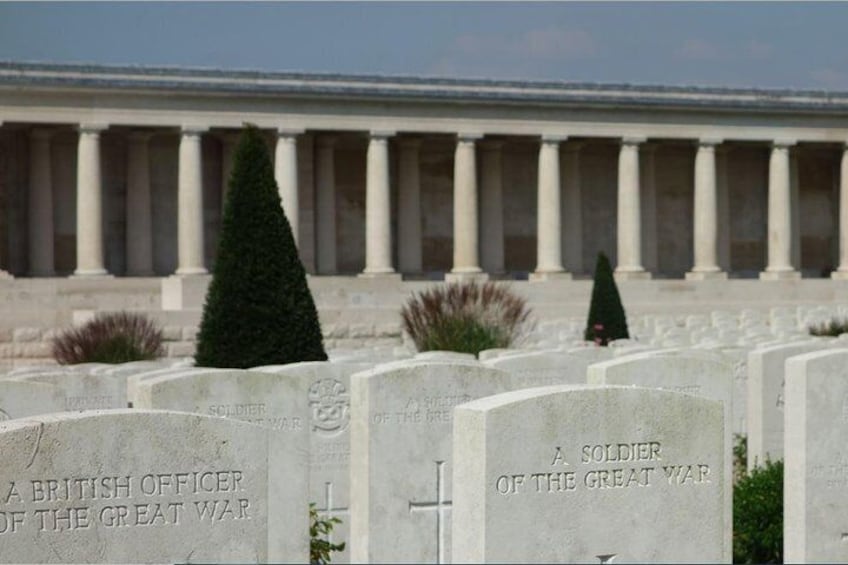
(543, 368)
(401, 457)
(581, 474)
(136, 486)
(325, 389)
(816, 457)
(21, 399)
(85, 391)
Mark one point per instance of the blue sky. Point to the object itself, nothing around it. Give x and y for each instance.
(759, 44)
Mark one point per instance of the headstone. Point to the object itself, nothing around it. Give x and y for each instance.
(131, 486)
(542, 368)
(444, 356)
(766, 399)
(697, 372)
(400, 447)
(324, 387)
(85, 391)
(815, 491)
(21, 399)
(133, 381)
(587, 474)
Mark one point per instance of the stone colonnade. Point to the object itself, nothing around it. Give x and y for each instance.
(477, 206)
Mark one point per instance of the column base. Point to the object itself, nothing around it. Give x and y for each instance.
(6, 275)
(706, 275)
(839, 275)
(780, 275)
(88, 273)
(190, 271)
(470, 276)
(180, 292)
(541, 276)
(631, 275)
(383, 275)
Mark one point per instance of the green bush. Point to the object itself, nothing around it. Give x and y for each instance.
(109, 338)
(258, 310)
(758, 515)
(465, 317)
(320, 548)
(833, 327)
(606, 321)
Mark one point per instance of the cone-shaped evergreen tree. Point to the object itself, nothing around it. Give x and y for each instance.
(258, 310)
(606, 314)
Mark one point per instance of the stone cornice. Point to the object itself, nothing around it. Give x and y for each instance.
(167, 80)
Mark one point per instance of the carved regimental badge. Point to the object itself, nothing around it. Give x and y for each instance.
(329, 402)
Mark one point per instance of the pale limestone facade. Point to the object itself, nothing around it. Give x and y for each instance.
(119, 171)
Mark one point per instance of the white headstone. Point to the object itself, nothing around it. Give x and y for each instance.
(444, 356)
(543, 368)
(325, 388)
(697, 372)
(766, 399)
(19, 399)
(401, 457)
(815, 491)
(85, 391)
(130, 486)
(586, 474)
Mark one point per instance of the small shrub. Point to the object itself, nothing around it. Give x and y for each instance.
(740, 457)
(320, 548)
(465, 317)
(833, 327)
(606, 321)
(109, 338)
(758, 515)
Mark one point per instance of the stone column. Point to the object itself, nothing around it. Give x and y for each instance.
(325, 188)
(190, 203)
(706, 214)
(89, 203)
(548, 213)
(723, 198)
(629, 211)
(139, 237)
(285, 173)
(795, 205)
(572, 208)
(648, 199)
(378, 211)
(228, 149)
(841, 272)
(779, 215)
(491, 207)
(40, 205)
(409, 207)
(466, 262)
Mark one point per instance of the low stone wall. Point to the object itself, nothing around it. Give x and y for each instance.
(360, 312)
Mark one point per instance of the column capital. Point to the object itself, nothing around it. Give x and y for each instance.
(573, 146)
(193, 130)
(41, 133)
(139, 136)
(381, 134)
(409, 142)
(91, 127)
(326, 140)
(633, 140)
(783, 143)
(708, 142)
(553, 138)
(468, 137)
(285, 131)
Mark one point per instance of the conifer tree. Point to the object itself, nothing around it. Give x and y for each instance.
(607, 320)
(258, 310)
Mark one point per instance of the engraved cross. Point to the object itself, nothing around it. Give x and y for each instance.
(329, 511)
(441, 506)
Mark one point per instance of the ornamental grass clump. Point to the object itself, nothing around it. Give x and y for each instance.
(833, 327)
(465, 317)
(109, 338)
